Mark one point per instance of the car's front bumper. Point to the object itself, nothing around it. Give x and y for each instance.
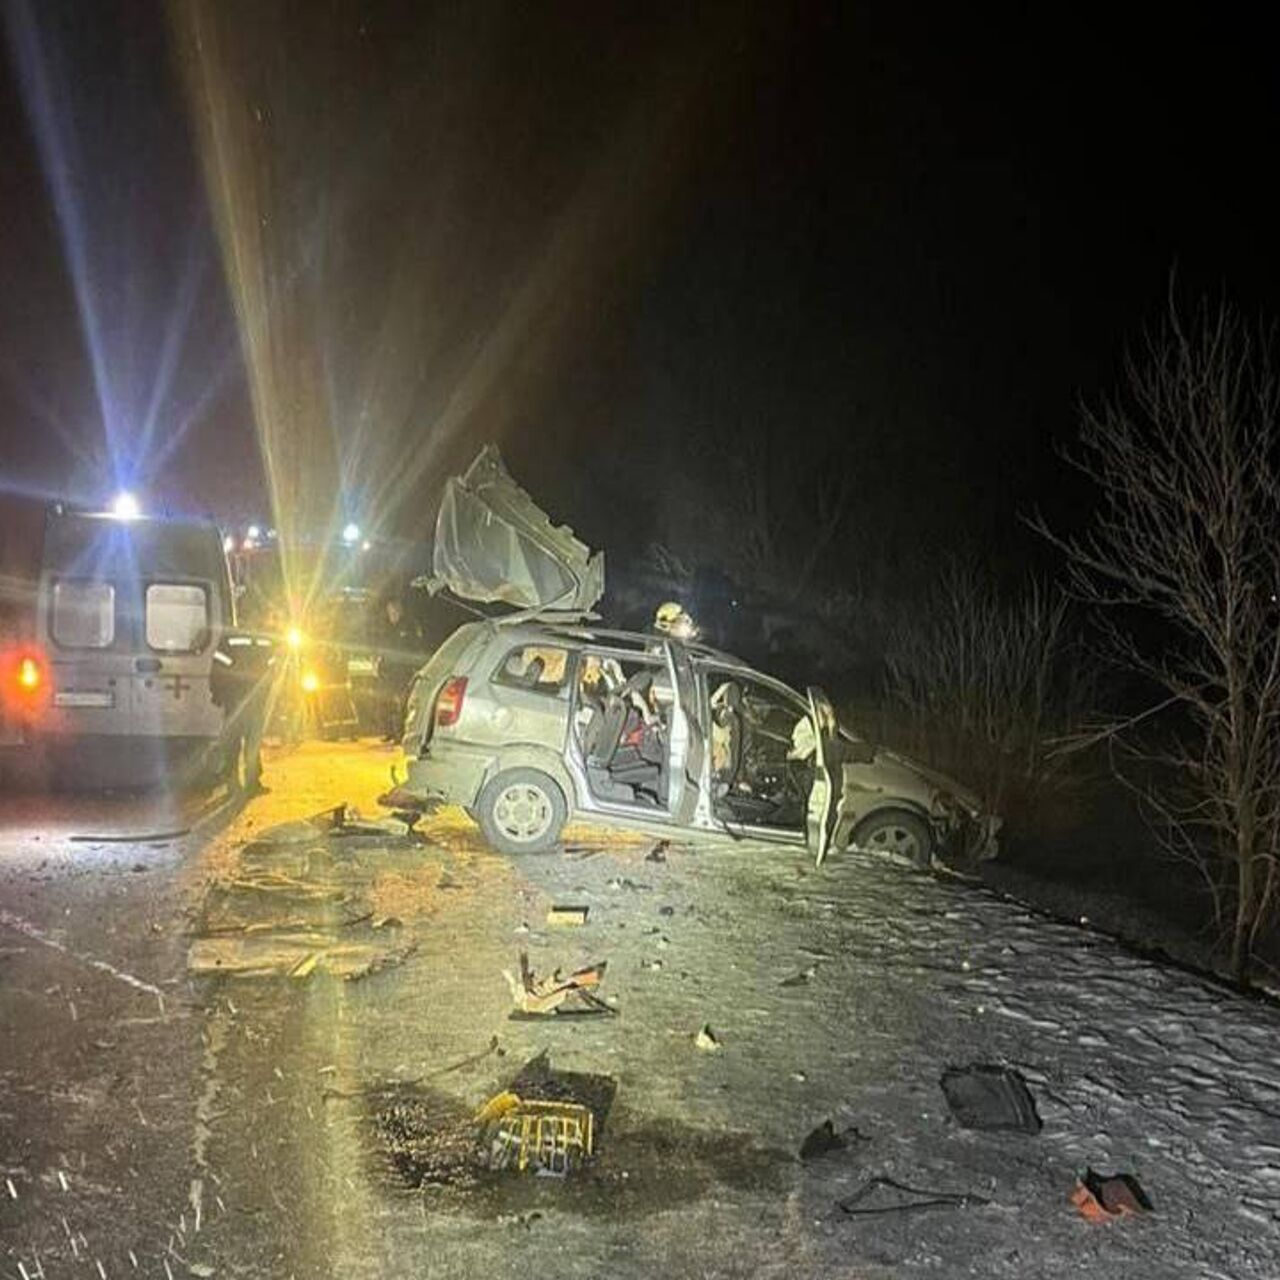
(970, 836)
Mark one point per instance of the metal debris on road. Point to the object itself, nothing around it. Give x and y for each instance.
(539, 997)
(345, 820)
(801, 978)
(659, 852)
(821, 1141)
(706, 1040)
(825, 1139)
(985, 1096)
(907, 1199)
(567, 917)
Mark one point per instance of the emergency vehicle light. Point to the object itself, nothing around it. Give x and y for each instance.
(125, 507)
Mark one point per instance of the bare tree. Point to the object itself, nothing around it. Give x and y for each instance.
(1185, 548)
(990, 684)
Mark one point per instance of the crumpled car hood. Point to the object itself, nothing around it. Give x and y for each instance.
(494, 544)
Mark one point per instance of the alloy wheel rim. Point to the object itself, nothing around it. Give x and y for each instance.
(523, 812)
(895, 839)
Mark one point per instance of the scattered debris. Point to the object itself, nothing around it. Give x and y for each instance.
(493, 1047)
(625, 882)
(538, 997)
(345, 820)
(532, 1135)
(543, 1122)
(405, 806)
(706, 1040)
(902, 1199)
(821, 1141)
(567, 917)
(429, 1140)
(825, 1139)
(1100, 1197)
(801, 978)
(659, 852)
(985, 1096)
(293, 954)
(580, 852)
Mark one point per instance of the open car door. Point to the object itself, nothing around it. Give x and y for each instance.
(494, 544)
(688, 740)
(822, 794)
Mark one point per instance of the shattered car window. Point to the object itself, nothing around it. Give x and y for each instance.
(537, 668)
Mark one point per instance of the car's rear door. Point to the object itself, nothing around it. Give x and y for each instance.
(527, 696)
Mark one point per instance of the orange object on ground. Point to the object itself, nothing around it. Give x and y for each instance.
(1102, 1197)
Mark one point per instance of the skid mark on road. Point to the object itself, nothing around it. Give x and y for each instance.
(37, 934)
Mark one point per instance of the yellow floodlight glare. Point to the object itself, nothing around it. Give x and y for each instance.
(310, 682)
(294, 638)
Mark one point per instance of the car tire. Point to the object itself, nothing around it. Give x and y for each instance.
(521, 811)
(898, 832)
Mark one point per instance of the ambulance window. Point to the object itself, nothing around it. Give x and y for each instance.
(84, 615)
(177, 617)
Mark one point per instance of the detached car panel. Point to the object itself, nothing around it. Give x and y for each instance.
(494, 545)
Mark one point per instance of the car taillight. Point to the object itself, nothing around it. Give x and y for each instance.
(449, 701)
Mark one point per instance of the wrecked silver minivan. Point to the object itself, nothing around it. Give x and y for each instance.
(538, 717)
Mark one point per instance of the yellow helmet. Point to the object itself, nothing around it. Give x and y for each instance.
(672, 619)
(667, 615)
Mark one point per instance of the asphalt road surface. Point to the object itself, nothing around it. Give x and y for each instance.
(233, 1043)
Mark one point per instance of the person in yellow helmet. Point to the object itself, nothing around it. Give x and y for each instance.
(673, 620)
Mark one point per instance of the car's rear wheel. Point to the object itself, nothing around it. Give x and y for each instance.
(897, 832)
(521, 811)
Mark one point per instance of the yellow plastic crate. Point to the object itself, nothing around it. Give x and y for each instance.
(533, 1135)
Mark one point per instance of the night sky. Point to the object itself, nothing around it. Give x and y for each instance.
(614, 238)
